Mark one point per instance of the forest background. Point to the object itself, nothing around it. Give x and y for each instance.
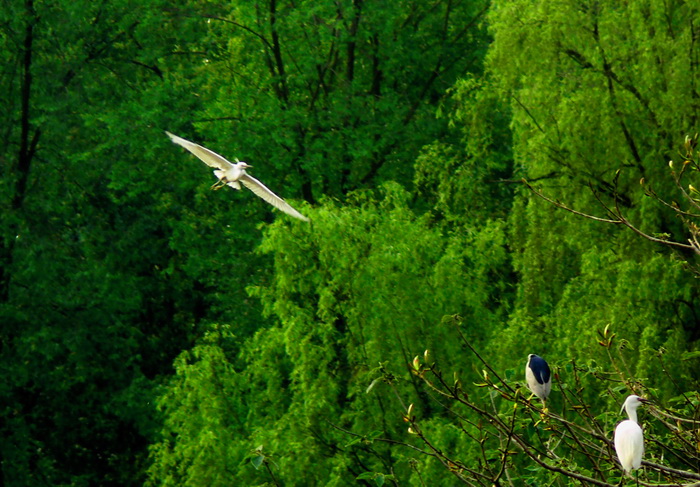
(155, 332)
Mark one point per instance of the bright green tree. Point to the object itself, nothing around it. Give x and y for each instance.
(596, 88)
(365, 285)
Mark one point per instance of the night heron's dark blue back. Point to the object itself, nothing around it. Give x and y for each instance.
(540, 369)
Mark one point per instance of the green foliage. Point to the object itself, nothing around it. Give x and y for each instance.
(466, 177)
(152, 330)
(587, 101)
(364, 284)
(379, 479)
(204, 416)
(335, 96)
(89, 317)
(517, 437)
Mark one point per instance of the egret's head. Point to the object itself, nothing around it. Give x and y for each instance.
(243, 165)
(632, 402)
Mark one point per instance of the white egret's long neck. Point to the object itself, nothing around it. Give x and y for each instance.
(632, 414)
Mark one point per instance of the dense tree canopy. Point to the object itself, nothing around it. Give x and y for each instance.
(484, 180)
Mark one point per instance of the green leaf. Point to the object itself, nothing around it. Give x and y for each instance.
(690, 355)
(257, 461)
(372, 384)
(365, 476)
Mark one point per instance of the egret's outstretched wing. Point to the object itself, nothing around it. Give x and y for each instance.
(261, 190)
(210, 158)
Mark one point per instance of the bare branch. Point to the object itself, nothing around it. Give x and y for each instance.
(619, 218)
(564, 207)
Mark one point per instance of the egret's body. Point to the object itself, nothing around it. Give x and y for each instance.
(234, 174)
(538, 376)
(629, 438)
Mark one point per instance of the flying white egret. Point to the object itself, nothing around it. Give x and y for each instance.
(538, 376)
(233, 174)
(629, 439)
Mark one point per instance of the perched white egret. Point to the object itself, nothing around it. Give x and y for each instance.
(629, 439)
(233, 174)
(538, 376)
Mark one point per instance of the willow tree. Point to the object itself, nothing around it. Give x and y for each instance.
(602, 97)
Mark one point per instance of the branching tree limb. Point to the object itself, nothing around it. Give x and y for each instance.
(691, 197)
(514, 430)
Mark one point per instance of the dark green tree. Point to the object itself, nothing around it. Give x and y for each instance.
(332, 96)
(89, 314)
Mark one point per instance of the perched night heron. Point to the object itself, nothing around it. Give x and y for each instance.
(538, 376)
(233, 174)
(629, 439)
